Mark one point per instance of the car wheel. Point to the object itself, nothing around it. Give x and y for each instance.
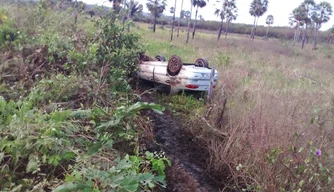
(201, 62)
(160, 58)
(174, 65)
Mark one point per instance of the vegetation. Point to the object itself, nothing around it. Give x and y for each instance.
(156, 7)
(278, 113)
(269, 21)
(182, 15)
(197, 4)
(134, 9)
(321, 14)
(68, 120)
(72, 120)
(172, 10)
(257, 9)
(188, 15)
(228, 13)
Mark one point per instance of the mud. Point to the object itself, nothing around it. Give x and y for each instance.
(188, 171)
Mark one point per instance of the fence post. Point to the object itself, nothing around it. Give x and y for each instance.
(210, 91)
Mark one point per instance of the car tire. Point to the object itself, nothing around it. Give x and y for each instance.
(160, 58)
(174, 65)
(201, 62)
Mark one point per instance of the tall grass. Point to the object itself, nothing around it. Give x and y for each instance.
(279, 111)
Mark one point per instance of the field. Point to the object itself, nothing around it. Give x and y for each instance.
(279, 108)
(72, 118)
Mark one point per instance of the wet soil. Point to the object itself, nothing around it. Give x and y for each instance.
(188, 155)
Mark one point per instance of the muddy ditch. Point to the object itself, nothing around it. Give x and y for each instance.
(189, 156)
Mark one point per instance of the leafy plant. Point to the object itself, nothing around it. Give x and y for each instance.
(124, 176)
(117, 50)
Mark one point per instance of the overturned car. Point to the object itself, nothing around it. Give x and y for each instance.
(176, 74)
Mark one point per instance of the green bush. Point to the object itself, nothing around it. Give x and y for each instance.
(118, 50)
(8, 33)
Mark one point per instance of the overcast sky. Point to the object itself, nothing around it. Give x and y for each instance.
(280, 9)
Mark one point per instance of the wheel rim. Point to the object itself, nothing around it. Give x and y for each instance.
(174, 64)
(200, 63)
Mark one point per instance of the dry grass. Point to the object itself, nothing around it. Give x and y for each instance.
(279, 98)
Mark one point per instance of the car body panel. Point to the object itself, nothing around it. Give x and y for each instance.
(156, 71)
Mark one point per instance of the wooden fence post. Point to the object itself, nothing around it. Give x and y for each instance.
(210, 91)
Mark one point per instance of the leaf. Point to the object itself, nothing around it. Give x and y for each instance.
(301, 183)
(146, 179)
(160, 179)
(95, 148)
(124, 164)
(69, 155)
(301, 149)
(129, 184)
(149, 155)
(68, 187)
(169, 163)
(2, 155)
(32, 165)
(300, 169)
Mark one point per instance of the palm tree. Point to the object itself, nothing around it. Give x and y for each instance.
(257, 9)
(197, 4)
(305, 8)
(321, 14)
(116, 5)
(228, 13)
(133, 9)
(231, 14)
(156, 7)
(189, 19)
(181, 17)
(173, 11)
(296, 20)
(269, 21)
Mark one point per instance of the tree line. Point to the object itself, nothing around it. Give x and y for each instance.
(307, 17)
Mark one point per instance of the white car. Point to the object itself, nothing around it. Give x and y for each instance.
(176, 74)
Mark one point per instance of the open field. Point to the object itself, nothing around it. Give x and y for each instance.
(70, 120)
(279, 98)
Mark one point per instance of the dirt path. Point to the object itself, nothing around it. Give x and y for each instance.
(187, 173)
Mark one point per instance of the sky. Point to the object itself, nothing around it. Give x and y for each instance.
(280, 9)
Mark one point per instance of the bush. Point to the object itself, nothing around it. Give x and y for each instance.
(117, 50)
(51, 136)
(8, 33)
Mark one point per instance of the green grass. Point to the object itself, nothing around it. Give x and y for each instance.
(273, 88)
(279, 98)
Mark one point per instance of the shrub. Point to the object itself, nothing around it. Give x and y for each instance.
(118, 50)
(8, 32)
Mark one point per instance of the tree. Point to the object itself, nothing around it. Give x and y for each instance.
(231, 14)
(181, 17)
(116, 5)
(296, 20)
(197, 4)
(257, 9)
(228, 12)
(201, 18)
(91, 13)
(156, 7)
(305, 8)
(189, 20)
(269, 21)
(321, 14)
(133, 9)
(330, 34)
(78, 8)
(172, 10)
